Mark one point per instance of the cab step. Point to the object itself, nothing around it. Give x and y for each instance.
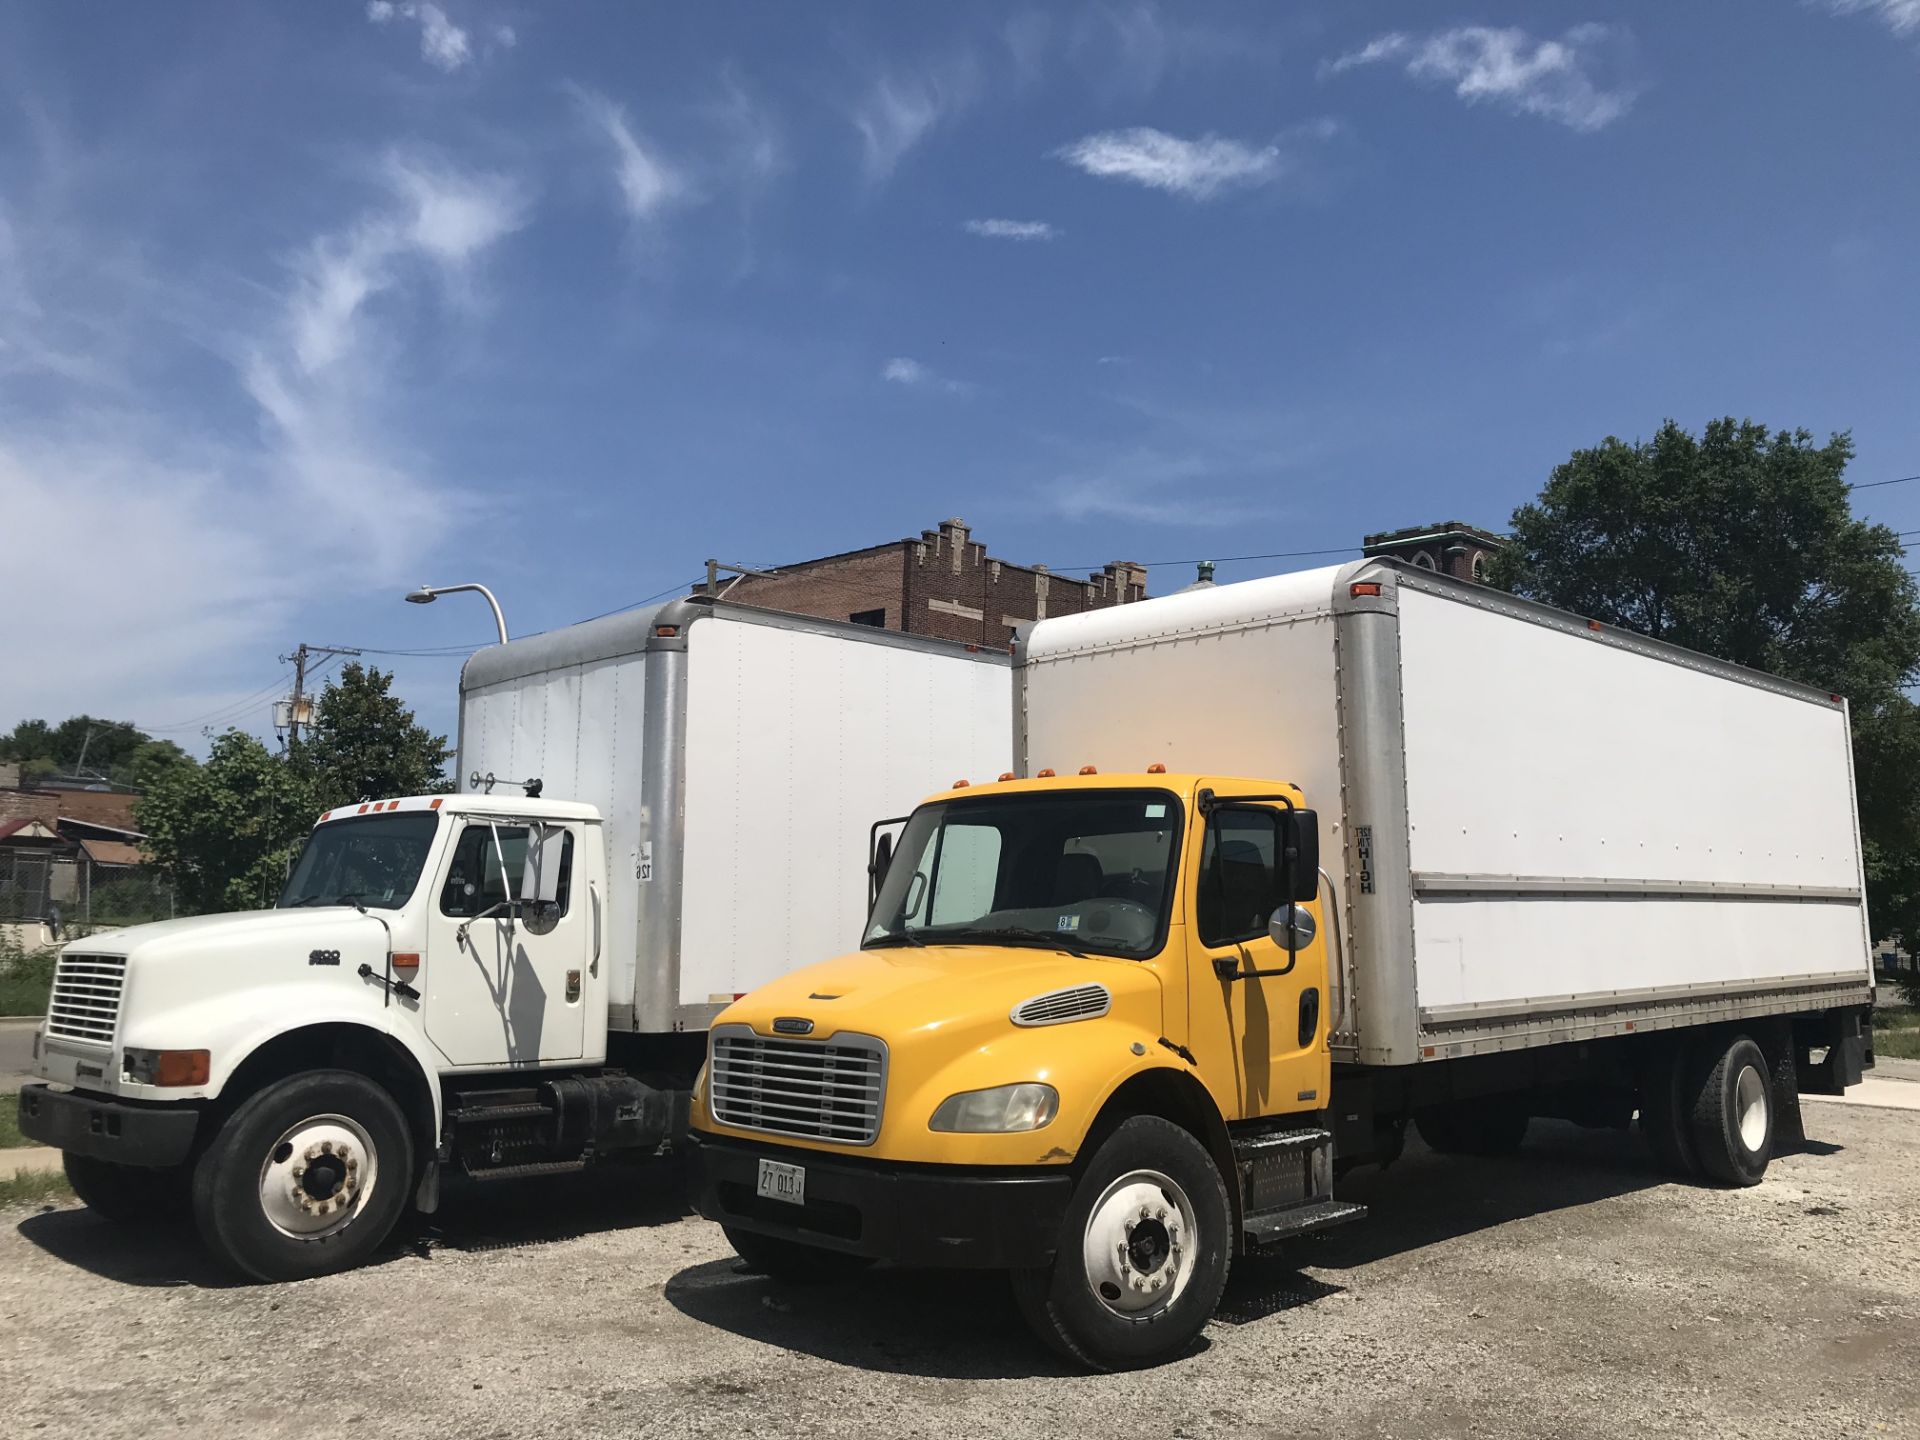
(1263, 1144)
(490, 1114)
(489, 1173)
(1273, 1226)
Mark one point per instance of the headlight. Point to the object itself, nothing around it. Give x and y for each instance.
(1004, 1109)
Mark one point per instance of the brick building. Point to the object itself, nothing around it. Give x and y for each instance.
(1452, 547)
(942, 583)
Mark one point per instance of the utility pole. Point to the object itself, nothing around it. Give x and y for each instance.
(298, 659)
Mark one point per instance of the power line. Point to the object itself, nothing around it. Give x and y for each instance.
(1876, 484)
(223, 711)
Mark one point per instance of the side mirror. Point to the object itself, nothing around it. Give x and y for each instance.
(540, 879)
(879, 855)
(1292, 928)
(1299, 860)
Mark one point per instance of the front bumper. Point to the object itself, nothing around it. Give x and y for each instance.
(108, 1129)
(910, 1214)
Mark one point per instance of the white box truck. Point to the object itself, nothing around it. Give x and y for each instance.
(499, 981)
(1118, 1021)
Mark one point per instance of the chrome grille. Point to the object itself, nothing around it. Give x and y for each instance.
(86, 997)
(817, 1089)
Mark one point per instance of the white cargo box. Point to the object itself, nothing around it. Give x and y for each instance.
(1539, 829)
(739, 758)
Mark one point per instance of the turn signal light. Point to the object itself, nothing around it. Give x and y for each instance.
(408, 961)
(182, 1067)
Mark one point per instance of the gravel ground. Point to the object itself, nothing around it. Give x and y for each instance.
(1568, 1291)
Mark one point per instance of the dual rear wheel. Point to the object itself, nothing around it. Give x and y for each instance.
(1708, 1108)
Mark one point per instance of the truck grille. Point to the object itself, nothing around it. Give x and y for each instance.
(86, 997)
(818, 1090)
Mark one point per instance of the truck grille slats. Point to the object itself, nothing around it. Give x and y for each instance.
(85, 1004)
(819, 1090)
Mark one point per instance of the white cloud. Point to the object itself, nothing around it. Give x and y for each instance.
(1012, 229)
(1553, 79)
(443, 44)
(916, 376)
(898, 111)
(220, 531)
(1900, 16)
(648, 185)
(1198, 169)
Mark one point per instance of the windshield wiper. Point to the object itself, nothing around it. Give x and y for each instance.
(353, 900)
(1015, 934)
(895, 937)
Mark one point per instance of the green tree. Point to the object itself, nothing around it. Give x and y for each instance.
(364, 743)
(113, 748)
(226, 830)
(1742, 543)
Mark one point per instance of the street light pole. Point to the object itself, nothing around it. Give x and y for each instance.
(427, 594)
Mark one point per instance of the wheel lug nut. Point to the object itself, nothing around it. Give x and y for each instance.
(313, 1152)
(326, 1147)
(1145, 1213)
(1161, 1214)
(353, 1164)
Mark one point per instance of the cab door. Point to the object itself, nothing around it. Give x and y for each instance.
(504, 981)
(1258, 1016)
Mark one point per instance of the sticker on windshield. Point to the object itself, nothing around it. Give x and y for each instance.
(1156, 812)
(1067, 922)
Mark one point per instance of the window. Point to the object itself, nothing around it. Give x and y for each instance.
(474, 882)
(371, 861)
(1480, 567)
(1090, 871)
(875, 618)
(1423, 560)
(1237, 886)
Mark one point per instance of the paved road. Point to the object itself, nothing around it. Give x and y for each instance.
(16, 1052)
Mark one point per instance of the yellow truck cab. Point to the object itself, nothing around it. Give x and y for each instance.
(1084, 1040)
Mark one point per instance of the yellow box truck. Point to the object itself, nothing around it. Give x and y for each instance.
(1289, 866)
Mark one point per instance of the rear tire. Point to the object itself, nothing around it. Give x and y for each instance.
(792, 1260)
(1733, 1115)
(1495, 1125)
(1143, 1253)
(131, 1194)
(306, 1178)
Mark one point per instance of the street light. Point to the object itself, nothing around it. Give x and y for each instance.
(427, 594)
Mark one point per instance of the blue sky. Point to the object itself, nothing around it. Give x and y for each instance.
(303, 305)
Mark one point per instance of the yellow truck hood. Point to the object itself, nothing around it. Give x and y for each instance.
(945, 1014)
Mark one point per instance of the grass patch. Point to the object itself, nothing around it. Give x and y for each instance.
(1896, 1033)
(23, 995)
(10, 1136)
(35, 1187)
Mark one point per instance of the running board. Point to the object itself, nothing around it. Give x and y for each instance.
(488, 1173)
(1273, 1226)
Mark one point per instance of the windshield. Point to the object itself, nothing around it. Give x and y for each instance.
(373, 859)
(1088, 871)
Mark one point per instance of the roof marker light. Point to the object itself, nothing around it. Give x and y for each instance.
(666, 632)
(1088, 770)
(1593, 625)
(1156, 768)
(1006, 774)
(434, 804)
(1363, 588)
(361, 811)
(961, 784)
(1046, 774)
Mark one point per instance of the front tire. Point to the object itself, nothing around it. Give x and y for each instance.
(305, 1178)
(1143, 1255)
(794, 1260)
(130, 1194)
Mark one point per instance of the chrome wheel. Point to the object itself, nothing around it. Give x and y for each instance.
(318, 1177)
(1140, 1245)
(1750, 1107)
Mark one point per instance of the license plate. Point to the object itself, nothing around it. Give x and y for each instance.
(783, 1182)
